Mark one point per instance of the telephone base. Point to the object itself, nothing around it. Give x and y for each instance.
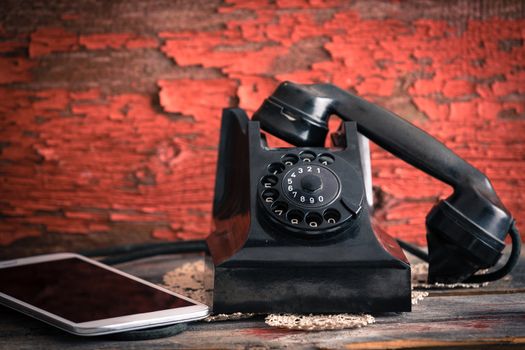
(293, 232)
(312, 289)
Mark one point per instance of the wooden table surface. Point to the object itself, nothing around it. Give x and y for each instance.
(489, 317)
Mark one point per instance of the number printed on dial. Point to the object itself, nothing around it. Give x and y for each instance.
(311, 185)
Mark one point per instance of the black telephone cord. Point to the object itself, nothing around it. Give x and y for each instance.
(413, 250)
(509, 265)
(122, 254)
(487, 277)
(130, 252)
(126, 253)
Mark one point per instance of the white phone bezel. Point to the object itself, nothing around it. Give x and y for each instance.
(109, 325)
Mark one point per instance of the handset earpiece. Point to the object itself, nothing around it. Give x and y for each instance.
(465, 232)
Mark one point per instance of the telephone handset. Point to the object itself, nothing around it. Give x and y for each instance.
(292, 229)
(465, 232)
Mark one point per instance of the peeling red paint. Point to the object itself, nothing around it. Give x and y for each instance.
(142, 43)
(15, 70)
(116, 41)
(457, 88)
(80, 160)
(207, 97)
(91, 94)
(47, 40)
(253, 90)
(370, 57)
(10, 46)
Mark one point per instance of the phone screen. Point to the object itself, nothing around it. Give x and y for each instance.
(80, 292)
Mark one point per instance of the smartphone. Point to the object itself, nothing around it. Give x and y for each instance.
(85, 297)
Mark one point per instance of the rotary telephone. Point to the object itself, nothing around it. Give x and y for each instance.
(292, 228)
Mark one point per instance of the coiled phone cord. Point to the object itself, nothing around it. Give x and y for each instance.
(487, 277)
(125, 253)
(509, 265)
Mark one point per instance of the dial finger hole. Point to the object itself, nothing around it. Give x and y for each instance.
(276, 168)
(295, 216)
(332, 216)
(314, 220)
(290, 159)
(269, 181)
(326, 159)
(279, 208)
(270, 195)
(307, 156)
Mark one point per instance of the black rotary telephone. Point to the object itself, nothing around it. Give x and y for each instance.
(292, 226)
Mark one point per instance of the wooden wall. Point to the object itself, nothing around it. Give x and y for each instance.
(109, 110)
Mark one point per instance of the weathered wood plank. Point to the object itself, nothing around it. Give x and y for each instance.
(489, 318)
(461, 319)
(109, 111)
(434, 344)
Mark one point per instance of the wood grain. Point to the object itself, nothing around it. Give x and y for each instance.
(109, 110)
(436, 344)
(487, 319)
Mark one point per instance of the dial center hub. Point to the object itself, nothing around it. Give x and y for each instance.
(311, 183)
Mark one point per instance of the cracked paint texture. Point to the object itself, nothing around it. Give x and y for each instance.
(109, 126)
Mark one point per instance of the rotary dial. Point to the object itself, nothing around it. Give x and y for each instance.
(310, 185)
(302, 192)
